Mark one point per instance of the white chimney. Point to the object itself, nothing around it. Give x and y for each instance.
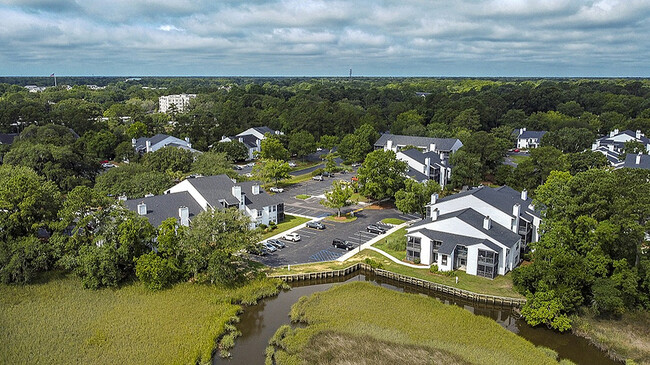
(389, 144)
(255, 189)
(148, 195)
(432, 147)
(184, 215)
(241, 139)
(610, 147)
(487, 222)
(638, 159)
(434, 214)
(236, 192)
(142, 209)
(516, 212)
(258, 142)
(133, 142)
(148, 144)
(638, 134)
(524, 194)
(434, 198)
(187, 139)
(427, 167)
(121, 198)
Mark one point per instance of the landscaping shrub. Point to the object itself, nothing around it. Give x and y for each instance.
(374, 264)
(433, 269)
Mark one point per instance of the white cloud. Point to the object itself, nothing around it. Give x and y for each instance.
(309, 36)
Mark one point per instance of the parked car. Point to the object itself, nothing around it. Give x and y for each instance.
(339, 243)
(316, 225)
(248, 174)
(294, 237)
(356, 164)
(292, 164)
(277, 243)
(269, 247)
(259, 251)
(373, 228)
(328, 174)
(317, 178)
(276, 190)
(516, 150)
(354, 178)
(237, 167)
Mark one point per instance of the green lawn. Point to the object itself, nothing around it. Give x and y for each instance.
(58, 322)
(500, 286)
(518, 158)
(352, 321)
(289, 222)
(395, 221)
(295, 179)
(303, 196)
(394, 244)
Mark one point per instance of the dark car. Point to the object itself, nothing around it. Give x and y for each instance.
(328, 174)
(316, 225)
(259, 251)
(339, 243)
(373, 228)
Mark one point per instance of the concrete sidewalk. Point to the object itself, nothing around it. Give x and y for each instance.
(368, 245)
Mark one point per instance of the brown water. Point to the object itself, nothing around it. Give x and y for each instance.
(259, 322)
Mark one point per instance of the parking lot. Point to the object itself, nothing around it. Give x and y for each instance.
(316, 245)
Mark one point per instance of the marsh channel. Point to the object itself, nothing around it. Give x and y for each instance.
(259, 322)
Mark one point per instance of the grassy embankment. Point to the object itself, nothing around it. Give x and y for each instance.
(395, 221)
(500, 286)
(628, 337)
(303, 196)
(347, 218)
(518, 158)
(394, 244)
(58, 322)
(289, 222)
(352, 323)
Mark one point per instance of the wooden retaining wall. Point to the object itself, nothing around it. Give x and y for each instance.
(449, 290)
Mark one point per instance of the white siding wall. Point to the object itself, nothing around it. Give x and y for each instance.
(472, 258)
(186, 186)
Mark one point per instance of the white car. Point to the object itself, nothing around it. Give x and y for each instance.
(276, 190)
(317, 178)
(294, 237)
(292, 164)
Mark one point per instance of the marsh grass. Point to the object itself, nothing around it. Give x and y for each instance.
(628, 337)
(367, 330)
(58, 322)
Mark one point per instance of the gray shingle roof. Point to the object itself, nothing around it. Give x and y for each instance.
(420, 156)
(532, 134)
(442, 144)
(264, 130)
(219, 187)
(7, 138)
(161, 207)
(606, 140)
(630, 161)
(502, 198)
(450, 241)
(475, 219)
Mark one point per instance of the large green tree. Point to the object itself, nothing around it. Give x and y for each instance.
(212, 248)
(467, 168)
(381, 175)
(272, 170)
(415, 196)
(271, 148)
(133, 180)
(235, 150)
(301, 144)
(339, 196)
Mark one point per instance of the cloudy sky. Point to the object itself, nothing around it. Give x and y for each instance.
(313, 37)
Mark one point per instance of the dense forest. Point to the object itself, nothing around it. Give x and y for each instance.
(51, 173)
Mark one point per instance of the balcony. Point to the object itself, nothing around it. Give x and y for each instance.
(487, 260)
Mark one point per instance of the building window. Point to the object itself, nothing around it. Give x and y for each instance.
(435, 257)
(413, 242)
(259, 213)
(444, 260)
